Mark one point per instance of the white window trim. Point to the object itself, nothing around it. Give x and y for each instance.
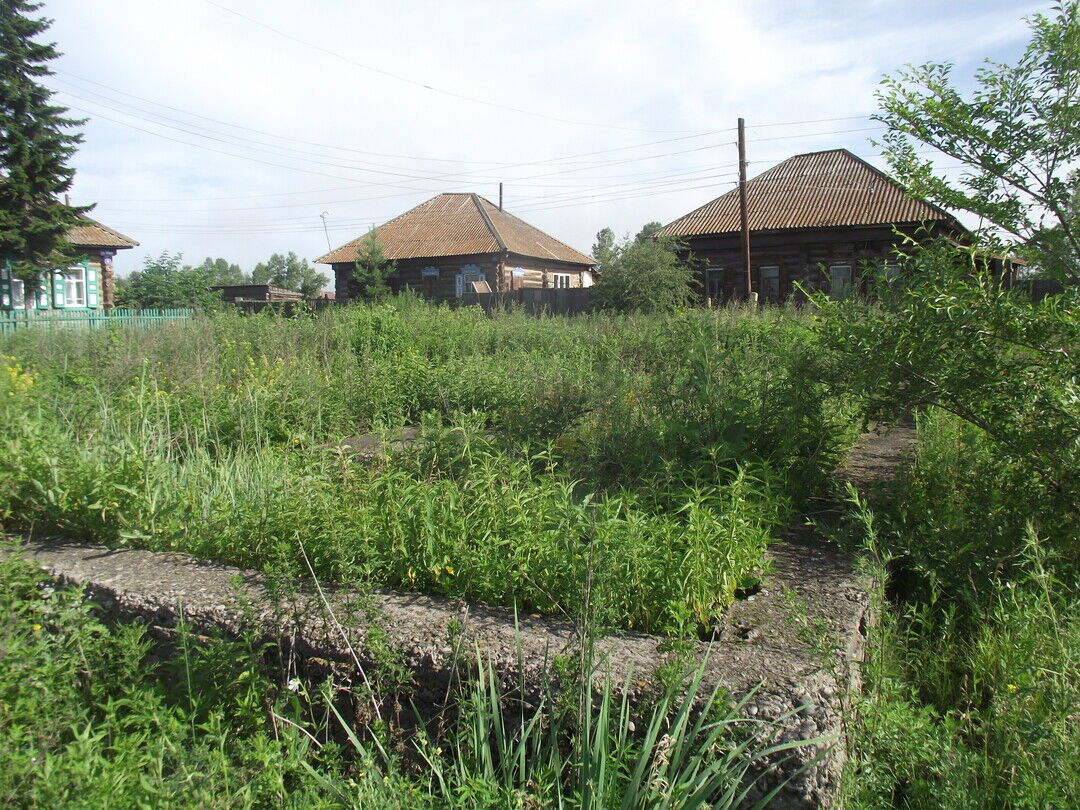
(18, 293)
(468, 269)
(78, 283)
(558, 278)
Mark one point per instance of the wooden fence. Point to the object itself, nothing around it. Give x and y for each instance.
(10, 320)
(536, 301)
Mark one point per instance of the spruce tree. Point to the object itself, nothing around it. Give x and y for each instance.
(36, 143)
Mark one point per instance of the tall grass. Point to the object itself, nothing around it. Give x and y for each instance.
(657, 454)
(974, 671)
(88, 718)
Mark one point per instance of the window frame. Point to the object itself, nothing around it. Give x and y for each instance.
(557, 279)
(775, 276)
(833, 292)
(81, 282)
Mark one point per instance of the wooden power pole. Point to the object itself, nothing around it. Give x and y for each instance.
(744, 214)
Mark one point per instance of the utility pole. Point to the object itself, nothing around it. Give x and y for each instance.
(324, 215)
(500, 196)
(744, 214)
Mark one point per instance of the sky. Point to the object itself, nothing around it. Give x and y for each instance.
(241, 128)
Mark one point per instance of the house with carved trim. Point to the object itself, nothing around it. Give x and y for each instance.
(458, 243)
(86, 283)
(816, 220)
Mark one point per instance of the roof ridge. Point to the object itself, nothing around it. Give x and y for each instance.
(816, 174)
(545, 233)
(487, 221)
(899, 185)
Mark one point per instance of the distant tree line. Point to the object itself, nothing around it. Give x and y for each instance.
(165, 282)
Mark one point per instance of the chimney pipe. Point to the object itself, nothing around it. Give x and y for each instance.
(67, 199)
(500, 196)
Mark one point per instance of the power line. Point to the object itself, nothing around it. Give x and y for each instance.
(434, 177)
(265, 132)
(815, 134)
(431, 88)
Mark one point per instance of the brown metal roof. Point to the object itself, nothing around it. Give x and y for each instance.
(91, 233)
(459, 225)
(817, 190)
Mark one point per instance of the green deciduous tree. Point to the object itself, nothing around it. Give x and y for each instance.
(223, 272)
(648, 230)
(289, 272)
(643, 274)
(36, 143)
(1016, 134)
(166, 283)
(372, 268)
(950, 334)
(604, 250)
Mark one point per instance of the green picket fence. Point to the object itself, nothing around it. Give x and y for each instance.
(10, 320)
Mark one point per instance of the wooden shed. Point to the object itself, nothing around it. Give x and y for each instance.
(816, 219)
(458, 243)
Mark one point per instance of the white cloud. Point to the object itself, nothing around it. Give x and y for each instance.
(632, 65)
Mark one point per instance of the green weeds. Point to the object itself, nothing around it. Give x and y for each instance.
(655, 455)
(89, 718)
(973, 677)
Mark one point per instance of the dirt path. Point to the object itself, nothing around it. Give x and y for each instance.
(878, 455)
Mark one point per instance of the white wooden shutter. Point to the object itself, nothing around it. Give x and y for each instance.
(91, 285)
(43, 291)
(5, 285)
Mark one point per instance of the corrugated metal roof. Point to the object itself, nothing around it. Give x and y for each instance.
(91, 233)
(459, 225)
(817, 190)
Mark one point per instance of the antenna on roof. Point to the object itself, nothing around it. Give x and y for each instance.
(500, 196)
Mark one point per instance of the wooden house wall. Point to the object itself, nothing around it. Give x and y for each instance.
(538, 272)
(497, 270)
(98, 284)
(801, 256)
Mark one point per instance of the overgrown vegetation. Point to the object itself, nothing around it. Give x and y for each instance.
(91, 716)
(974, 680)
(643, 274)
(654, 456)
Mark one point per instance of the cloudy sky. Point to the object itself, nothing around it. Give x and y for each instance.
(229, 127)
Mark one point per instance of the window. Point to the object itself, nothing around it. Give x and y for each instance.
(75, 286)
(18, 293)
(430, 281)
(839, 280)
(560, 281)
(462, 281)
(769, 283)
(714, 283)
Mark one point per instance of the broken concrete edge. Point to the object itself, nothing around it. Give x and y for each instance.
(793, 646)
